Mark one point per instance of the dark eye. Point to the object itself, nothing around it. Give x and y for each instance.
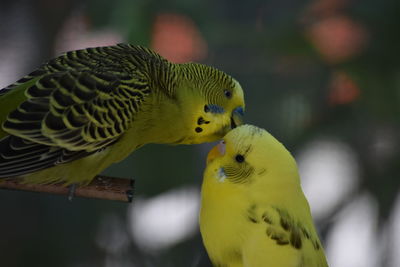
(206, 108)
(239, 158)
(227, 93)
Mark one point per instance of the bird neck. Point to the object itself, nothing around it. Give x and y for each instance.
(163, 123)
(163, 77)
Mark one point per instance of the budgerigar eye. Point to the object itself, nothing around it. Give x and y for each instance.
(239, 158)
(206, 108)
(227, 93)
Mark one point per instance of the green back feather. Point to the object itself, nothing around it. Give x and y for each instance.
(10, 98)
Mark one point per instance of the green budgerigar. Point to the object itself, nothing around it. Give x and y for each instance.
(78, 113)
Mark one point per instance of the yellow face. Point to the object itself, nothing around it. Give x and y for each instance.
(230, 159)
(246, 154)
(219, 109)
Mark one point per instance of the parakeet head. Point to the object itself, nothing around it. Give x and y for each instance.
(213, 100)
(249, 156)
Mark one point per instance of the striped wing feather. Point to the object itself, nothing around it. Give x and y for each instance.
(78, 104)
(77, 110)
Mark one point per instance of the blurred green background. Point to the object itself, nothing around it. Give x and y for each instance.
(322, 76)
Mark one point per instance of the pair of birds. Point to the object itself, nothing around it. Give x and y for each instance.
(78, 113)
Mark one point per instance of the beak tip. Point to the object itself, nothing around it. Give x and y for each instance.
(237, 117)
(239, 111)
(216, 151)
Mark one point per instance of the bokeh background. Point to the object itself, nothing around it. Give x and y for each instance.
(323, 76)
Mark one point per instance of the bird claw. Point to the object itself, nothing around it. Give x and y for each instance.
(71, 192)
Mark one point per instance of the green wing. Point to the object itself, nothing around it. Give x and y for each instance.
(72, 106)
(75, 110)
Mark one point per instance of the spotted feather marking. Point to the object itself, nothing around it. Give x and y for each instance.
(283, 228)
(201, 121)
(251, 214)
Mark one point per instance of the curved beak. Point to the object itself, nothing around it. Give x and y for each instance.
(216, 151)
(237, 117)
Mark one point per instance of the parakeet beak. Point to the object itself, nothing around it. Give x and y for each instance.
(216, 151)
(237, 117)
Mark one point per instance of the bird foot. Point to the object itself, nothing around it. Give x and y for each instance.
(71, 192)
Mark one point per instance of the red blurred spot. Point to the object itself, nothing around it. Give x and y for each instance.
(343, 90)
(177, 38)
(337, 38)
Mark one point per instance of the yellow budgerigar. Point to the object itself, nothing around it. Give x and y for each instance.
(86, 109)
(253, 210)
